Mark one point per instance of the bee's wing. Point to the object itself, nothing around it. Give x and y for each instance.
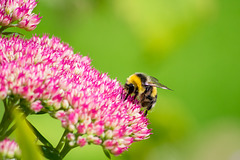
(154, 82)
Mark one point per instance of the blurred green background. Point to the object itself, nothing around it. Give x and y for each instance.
(192, 46)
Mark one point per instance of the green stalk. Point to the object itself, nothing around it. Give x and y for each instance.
(6, 120)
(65, 150)
(62, 140)
(5, 103)
(7, 133)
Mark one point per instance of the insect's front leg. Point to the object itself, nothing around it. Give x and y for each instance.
(145, 113)
(126, 97)
(122, 94)
(129, 89)
(136, 93)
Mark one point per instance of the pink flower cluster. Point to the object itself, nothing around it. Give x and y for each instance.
(53, 79)
(19, 11)
(9, 149)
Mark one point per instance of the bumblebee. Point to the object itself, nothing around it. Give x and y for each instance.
(145, 88)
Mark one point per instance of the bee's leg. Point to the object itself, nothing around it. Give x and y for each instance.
(135, 96)
(149, 107)
(141, 99)
(122, 94)
(129, 89)
(136, 93)
(145, 113)
(126, 97)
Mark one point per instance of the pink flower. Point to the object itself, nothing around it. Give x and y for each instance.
(29, 22)
(9, 149)
(36, 106)
(19, 11)
(94, 140)
(70, 136)
(109, 144)
(118, 150)
(81, 141)
(6, 20)
(51, 78)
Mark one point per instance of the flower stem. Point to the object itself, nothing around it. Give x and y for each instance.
(65, 150)
(5, 104)
(5, 27)
(6, 120)
(62, 140)
(12, 25)
(7, 133)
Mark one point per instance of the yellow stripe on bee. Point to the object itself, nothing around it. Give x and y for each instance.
(154, 92)
(136, 81)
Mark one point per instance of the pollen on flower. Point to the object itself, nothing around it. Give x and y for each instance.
(51, 78)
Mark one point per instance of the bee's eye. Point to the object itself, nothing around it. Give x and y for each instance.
(129, 88)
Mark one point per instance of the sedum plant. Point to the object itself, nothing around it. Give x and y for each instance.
(42, 75)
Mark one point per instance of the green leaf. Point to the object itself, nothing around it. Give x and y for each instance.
(39, 135)
(106, 152)
(12, 33)
(26, 138)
